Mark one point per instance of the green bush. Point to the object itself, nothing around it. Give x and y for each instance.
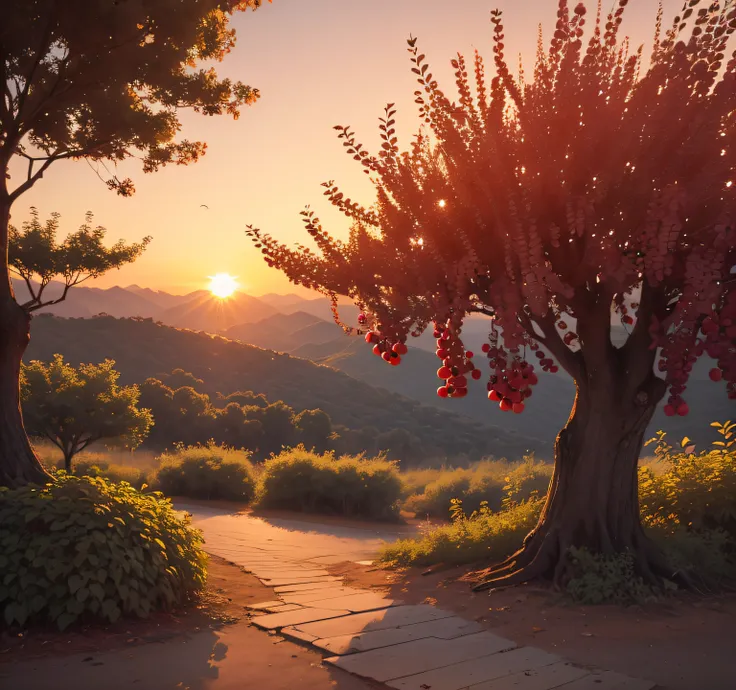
(208, 472)
(695, 490)
(495, 482)
(485, 535)
(85, 548)
(135, 476)
(353, 486)
(599, 579)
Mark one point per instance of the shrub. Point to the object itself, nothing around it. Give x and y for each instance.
(353, 486)
(209, 472)
(485, 535)
(695, 490)
(495, 482)
(599, 579)
(115, 473)
(85, 548)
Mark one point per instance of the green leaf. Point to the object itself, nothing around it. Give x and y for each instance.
(75, 582)
(97, 591)
(65, 620)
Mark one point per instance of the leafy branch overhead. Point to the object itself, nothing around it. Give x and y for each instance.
(38, 257)
(106, 80)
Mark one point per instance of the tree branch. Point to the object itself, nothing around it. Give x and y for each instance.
(570, 361)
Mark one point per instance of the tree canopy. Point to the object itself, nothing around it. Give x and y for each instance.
(75, 407)
(38, 257)
(106, 80)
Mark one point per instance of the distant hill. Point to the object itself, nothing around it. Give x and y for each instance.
(285, 332)
(143, 349)
(208, 313)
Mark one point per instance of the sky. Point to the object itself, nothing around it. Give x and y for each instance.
(317, 63)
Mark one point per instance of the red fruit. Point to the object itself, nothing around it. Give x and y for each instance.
(486, 347)
(505, 405)
(533, 379)
(442, 391)
(400, 348)
(669, 410)
(458, 381)
(386, 356)
(515, 396)
(518, 407)
(494, 396)
(395, 361)
(371, 337)
(627, 320)
(460, 393)
(554, 369)
(436, 334)
(528, 393)
(683, 410)
(377, 350)
(469, 354)
(442, 353)
(476, 374)
(444, 372)
(539, 354)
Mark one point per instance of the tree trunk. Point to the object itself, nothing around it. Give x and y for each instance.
(18, 463)
(592, 500)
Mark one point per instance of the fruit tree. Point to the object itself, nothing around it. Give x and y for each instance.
(601, 188)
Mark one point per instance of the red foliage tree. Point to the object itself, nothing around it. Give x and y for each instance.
(600, 186)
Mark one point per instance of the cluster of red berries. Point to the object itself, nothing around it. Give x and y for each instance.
(456, 364)
(389, 352)
(509, 385)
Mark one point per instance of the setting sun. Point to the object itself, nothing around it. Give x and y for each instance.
(223, 285)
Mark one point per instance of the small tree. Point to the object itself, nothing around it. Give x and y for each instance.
(74, 408)
(600, 187)
(101, 81)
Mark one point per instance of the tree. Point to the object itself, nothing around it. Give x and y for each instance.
(74, 408)
(104, 82)
(600, 189)
(36, 256)
(314, 428)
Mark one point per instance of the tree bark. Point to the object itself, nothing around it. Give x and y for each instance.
(18, 462)
(592, 500)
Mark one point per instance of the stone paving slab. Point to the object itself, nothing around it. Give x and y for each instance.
(557, 675)
(375, 620)
(419, 656)
(280, 608)
(265, 605)
(280, 581)
(442, 628)
(270, 573)
(306, 587)
(320, 594)
(357, 603)
(472, 671)
(608, 680)
(274, 621)
(296, 634)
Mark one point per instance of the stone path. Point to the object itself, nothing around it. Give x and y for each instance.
(417, 647)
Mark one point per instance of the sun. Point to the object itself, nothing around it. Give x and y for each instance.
(223, 285)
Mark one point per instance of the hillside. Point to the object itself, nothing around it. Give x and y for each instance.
(208, 313)
(547, 410)
(143, 349)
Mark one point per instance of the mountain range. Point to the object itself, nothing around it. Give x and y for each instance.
(303, 327)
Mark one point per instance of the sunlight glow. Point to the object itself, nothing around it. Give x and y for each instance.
(442, 203)
(223, 285)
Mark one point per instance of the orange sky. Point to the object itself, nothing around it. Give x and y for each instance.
(317, 64)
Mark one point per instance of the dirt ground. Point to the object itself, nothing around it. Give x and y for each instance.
(208, 647)
(685, 644)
